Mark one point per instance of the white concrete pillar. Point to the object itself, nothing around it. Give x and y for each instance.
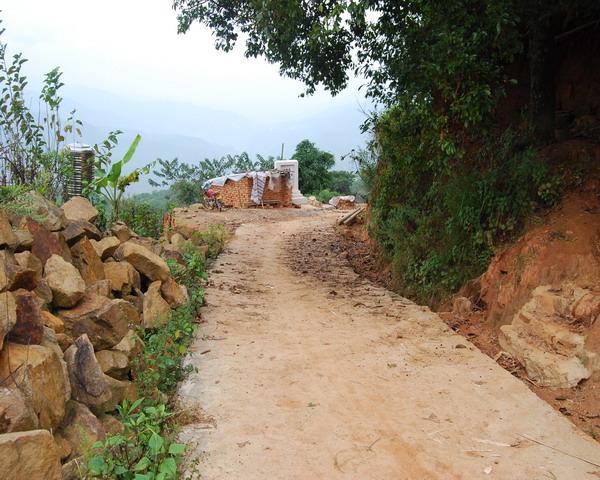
(292, 167)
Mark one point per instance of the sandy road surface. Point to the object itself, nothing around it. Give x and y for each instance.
(314, 373)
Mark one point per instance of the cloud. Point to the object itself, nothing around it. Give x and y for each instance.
(132, 48)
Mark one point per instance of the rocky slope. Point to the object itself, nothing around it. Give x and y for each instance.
(71, 301)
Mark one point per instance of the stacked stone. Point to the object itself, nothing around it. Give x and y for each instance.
(71, 298)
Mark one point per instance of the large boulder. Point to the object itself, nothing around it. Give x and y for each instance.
(29, 262)
(46, 243)
(52, 217)
(175, 294)
(44, 294)
(38, 372)
(8, 315)
(156, 309)
(129, 310)
(52, 321)
(29, 455)
(7, 236)
(114, 363)
(119, 390)
(65, 282)
(106, 247)
(553, 354)
(87, 262)
(100, 287)
(123, 277)
(13, 275)
(100, 318)
(131, 345)
(81, 428)
(29, 328)
(24, 240)
(143, 260)
(88, 382)
(80, 208)
(78, 229)
(16, 412)
(121, 231)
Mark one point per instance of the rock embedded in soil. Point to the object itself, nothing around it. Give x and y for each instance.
(65, 282)
(156, 309)
(38, 372)
(29, 327)
(30, 455)
(88, 382)
(100, 318)
(143, 260)
(79, 208)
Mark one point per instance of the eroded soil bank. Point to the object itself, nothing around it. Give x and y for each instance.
(307, 371)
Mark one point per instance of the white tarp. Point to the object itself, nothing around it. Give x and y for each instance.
(335, 200)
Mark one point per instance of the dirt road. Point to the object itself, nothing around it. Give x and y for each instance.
(312, 373)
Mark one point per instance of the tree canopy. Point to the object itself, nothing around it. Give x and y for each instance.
(314, 165)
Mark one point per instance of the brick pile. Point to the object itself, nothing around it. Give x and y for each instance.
(237, 194)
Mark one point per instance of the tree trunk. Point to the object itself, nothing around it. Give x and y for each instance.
(542, 95)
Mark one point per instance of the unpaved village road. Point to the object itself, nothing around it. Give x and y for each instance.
(313, 373)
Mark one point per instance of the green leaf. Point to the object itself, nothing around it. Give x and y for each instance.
(155, 442)
(96, 464)
(168, 466)
(176, 449)
(143, 464)
(132, 149)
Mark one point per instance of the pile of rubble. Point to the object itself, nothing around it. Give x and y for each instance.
(71, 299)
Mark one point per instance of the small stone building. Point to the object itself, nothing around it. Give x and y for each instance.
(236, 192)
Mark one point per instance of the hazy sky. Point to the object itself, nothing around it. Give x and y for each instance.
(131, 47)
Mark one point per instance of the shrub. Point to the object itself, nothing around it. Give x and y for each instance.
(214, 237)
(325, 195)
(142, 218)
(140, 452)
(439, 214)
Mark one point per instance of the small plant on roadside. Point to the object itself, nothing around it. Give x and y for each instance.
(214, 237)
(142, 451)
(109, 181)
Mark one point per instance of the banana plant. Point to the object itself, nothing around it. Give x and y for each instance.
(110, 183)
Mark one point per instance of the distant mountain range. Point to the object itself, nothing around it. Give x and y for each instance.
(191, 132)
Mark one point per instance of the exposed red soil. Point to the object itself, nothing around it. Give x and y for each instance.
(564, 246)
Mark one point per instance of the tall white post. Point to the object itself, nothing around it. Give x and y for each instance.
(292, 167)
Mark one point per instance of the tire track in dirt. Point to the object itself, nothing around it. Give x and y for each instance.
(315, 373)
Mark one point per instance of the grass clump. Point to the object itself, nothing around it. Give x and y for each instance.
(145, 450)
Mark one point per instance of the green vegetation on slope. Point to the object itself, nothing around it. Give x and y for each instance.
(457, 167)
